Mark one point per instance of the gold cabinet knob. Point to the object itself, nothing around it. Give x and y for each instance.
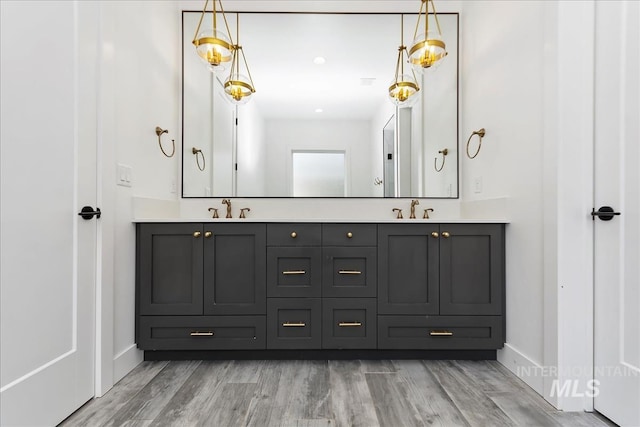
(208, 234)
(294, 234)
(435, 234)
(197, 234)
(446, 234)
(349, 235)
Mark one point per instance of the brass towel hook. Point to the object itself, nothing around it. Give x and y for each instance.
(159, 132)
(480, 134)
(198, 153)
(444, 153)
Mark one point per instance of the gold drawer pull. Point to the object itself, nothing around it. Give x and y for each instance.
(294, 234)
(446, 234)
(208, 234)
(349, 324)
(287, 273)
(197, 234)
(349, 272)
(349, 235)
(294, 324)
(441, 333)
(202, 334)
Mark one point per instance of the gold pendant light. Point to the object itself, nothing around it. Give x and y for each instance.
(214, 46)
(428, 48)
(404, 87)
(238, 86)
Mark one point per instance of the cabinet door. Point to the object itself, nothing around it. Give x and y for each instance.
(234, 269)
(294, 323)
(169, 269)
(408, 261)
(349, 272)
(471, 269)
(349, 323)
(294, 272)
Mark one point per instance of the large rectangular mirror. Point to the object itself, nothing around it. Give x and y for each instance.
(321, 93)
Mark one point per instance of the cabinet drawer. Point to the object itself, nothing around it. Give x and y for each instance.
(294, 235)
(294, 272)
(349, 323)
(349, 272)
(294, 323)
(440, 332)
(349, 234)
(201, 333)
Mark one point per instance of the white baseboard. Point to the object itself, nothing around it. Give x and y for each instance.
(124, 362)
(523, 367)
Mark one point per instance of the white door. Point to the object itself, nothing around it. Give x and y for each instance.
(617, 185)
(48, 253)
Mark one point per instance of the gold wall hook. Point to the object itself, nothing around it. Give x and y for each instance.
(444, 153)
(198, 153)
(480, 134)
(159, 132)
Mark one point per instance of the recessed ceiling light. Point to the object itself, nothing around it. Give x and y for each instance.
(319, 110)
(319, 60)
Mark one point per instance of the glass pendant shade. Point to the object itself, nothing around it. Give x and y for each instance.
(403, 90)
(428, 49)
(213, 45)
(238, 89)
(214, 48)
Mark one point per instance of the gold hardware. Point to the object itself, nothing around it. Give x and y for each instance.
(293, 272)
(426, 213)
(215, 212)
(480, 134)
(413, 209)
(349, 324)
(435, 234)
(428, 48)
(159, 132)
(399, 216)
(441, 333)
(444, 159)
(214, 47)
(294, 324)
(446, 234)
(242, 211)
(208, 234)
(199, 155)
(349, 272)
(239, 90)
(294, 234)
(228, 203)
(349, 235)
(202, 334)
(197, 234)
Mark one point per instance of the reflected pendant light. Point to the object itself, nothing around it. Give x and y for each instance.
(238, 86)
(213, 46)
(427, 49)
(404, 87)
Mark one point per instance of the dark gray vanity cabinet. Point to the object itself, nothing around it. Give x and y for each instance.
(201, 286)
(441, 286)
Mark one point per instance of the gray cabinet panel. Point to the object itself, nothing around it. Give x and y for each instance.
(471, 269)
(408, 269)
(349, 323)
(169, 273)
(440, 332)
(349, 234)
(235, 269)
(294, 323)
(202, 333)
(294, 234)
(294, 272)
(349, 272)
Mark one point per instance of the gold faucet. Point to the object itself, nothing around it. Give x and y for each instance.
(413, 209)
(242, 215)
(215, 212)
(228, 203)
(399, 212)
(426, 213)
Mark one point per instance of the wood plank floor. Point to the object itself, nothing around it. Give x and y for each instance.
(398, 393)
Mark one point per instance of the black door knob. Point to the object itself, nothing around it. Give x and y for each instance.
(605, 213)
(87, 212)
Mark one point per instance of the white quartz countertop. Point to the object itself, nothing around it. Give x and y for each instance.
(325, 220)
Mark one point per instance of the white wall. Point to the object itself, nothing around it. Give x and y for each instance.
(252, 151)
(140, 90)
(283, 136)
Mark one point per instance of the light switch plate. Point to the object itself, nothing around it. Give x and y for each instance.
(124, 175)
